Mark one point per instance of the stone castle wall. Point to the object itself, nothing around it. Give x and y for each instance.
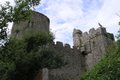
(93, 44)
(73, 69)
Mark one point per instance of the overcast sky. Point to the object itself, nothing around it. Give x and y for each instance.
(65, 15)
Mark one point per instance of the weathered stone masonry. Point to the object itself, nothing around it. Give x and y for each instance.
(73, 69)
(92, 45)
(87, 50)
(38, 22)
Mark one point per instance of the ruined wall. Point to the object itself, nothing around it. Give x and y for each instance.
(87, 51)
(93, 44)
(38, 22)
(72, 70)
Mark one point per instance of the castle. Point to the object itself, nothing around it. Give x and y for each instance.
(88, 47)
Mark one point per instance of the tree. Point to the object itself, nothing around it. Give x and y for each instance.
(22, 59)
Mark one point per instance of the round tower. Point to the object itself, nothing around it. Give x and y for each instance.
(38, 22)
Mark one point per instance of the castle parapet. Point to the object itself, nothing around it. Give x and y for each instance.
(110, 35)
(59, 44)
(101, 30)
(67, 46)
(92, 33)
(77, 31)
(85, 36)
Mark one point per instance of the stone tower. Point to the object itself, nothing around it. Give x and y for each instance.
(93, 44)
(77, 34)
(38, 22)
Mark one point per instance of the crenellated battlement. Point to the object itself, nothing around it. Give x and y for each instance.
(79, 38)
(65, 46)
(72, 57)
(99, 31)
(96, 32)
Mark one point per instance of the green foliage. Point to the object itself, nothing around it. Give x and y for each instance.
(118, 38)
(5, 17)
(50, 59)
(36, 39)
(108, 68)
(20, 61)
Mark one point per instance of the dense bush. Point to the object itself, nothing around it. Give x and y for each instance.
(21, 59)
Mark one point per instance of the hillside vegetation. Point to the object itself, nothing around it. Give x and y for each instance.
(108, 68)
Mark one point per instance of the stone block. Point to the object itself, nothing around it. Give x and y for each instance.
(59, 44)
(45, 74)
(67, 46)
